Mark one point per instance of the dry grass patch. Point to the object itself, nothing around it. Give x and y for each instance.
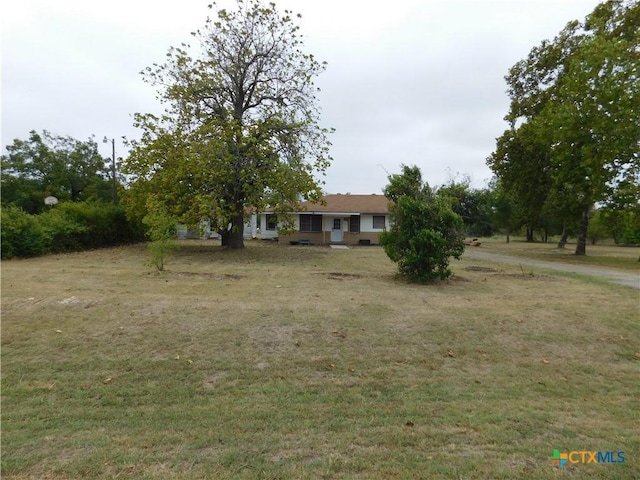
(306, 362)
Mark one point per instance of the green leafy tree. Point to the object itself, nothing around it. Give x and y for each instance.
(161, 230)
(25, 193)
(521, 164)
(504, 209)
(407, 184)
(48, 164)
(575, 100)
(241, 126)
(473, 205)
(631, 231)
(598, 228)
(425, 232)
(621, 212)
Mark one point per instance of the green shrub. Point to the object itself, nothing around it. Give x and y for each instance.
(64, 234)
(69, 226)
(104, 224)
(425, 233)
(22, 235)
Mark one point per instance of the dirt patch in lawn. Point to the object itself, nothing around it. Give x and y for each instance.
(217, 276)
(474, 268)
(496, 272)
(339, 275)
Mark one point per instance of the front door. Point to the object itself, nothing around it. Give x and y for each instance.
(336, 230)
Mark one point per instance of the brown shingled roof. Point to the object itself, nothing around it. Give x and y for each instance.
(341, 203)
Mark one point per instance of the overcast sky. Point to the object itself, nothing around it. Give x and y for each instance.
(408, 81)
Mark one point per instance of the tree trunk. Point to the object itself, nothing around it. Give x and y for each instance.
(563, 238)
(529, 234)
(581, 247)
(508, 232)
(236, 235)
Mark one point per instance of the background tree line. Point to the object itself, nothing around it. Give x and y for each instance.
(493, 210)
(72, 170)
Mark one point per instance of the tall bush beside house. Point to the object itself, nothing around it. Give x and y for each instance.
(425, 232)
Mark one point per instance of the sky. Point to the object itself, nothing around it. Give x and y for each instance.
(415, 82)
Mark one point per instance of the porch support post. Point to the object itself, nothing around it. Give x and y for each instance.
(323, 237)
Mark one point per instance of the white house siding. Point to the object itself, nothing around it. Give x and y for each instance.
(264, 233)
(203, 232)
(250, 226)
(366, 223)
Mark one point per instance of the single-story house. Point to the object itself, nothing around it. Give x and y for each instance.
(343, 219)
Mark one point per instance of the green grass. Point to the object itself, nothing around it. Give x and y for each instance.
(305, 362)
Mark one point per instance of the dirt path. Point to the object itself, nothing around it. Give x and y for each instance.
(614, 276)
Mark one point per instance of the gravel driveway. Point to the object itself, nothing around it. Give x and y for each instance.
(614, 276)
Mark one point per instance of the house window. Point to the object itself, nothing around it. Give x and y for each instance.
(337, 225)
(354, 224)
(310, 223)
(272, 221)
(378, 222)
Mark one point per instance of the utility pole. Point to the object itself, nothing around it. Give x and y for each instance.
(113, 167)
